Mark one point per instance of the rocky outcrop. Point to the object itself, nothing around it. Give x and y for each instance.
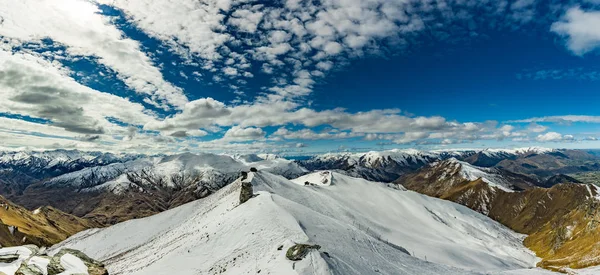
(299, 251)
(93, 267)
(246, 192)
(30, 260)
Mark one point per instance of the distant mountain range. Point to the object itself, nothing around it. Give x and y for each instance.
(386, 166)
(112, 188)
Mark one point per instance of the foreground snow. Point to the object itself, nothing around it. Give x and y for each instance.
(362, 227)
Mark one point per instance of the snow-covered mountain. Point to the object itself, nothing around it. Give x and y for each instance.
(146, 185)
(356, 227)
(456, 171)
(389, 165)
(465, 183)
(559, 219)
(173, 171)
(59, 160)
(20, 169)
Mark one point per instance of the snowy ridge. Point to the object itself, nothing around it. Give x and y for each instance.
(365, 228)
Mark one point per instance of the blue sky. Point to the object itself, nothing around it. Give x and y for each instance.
(298, 77)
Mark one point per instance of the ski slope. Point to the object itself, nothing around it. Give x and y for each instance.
(362, 227)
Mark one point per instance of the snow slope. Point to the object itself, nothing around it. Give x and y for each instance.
(442, 231)
(365, 228)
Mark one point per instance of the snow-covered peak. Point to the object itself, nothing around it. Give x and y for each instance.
(453, 167)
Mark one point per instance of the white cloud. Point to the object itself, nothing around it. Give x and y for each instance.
(311, 36)
(550, 136)
(307, 134)
(246, 20)
(78, 26)
(240, 133)
(536, 128)
(34, 87)
(580, 28)
(297, 44)
(196, 114)
(561, 119)
(411, 137)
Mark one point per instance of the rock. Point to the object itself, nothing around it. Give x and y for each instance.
(8, 258)
(26, 269)
(94, 267)
(12, 256)
(253, 169)
(299, 251)
(246, 192)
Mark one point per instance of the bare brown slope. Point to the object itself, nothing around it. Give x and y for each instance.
(42, 227)
(561, 221)
(108, 208)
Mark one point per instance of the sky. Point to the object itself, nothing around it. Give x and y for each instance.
(297, 77)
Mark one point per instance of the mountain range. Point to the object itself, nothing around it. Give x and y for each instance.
(343, 225)
(487, 211)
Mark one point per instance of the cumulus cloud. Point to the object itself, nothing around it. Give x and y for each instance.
(297, 43)
(536, 128)
(554, 137)
(579, 28)
(33, 87)
(308, 36)
(196, 114)
(240, 133)
(79, 26)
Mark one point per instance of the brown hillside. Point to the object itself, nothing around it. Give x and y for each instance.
(562, 221)
(43, 227)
